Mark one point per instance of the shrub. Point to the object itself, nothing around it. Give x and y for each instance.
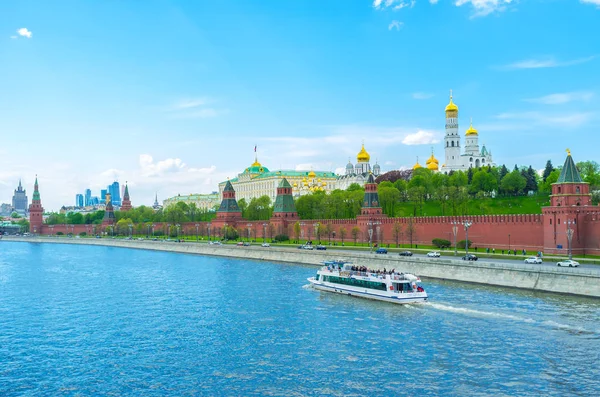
(82, 234)
(463, 244)
(59, 233)
(281, 238)
(440, 243)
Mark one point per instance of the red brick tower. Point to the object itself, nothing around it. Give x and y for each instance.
(371, 215)
(229, 213)
(284, 210)
(126, 204)
(36, 211)
(569, 203)
(109, 213)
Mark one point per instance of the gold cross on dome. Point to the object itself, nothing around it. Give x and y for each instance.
(568, 152)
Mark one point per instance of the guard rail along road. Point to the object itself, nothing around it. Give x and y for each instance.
(575, 281)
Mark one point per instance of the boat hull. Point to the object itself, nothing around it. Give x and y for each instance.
(418, 297)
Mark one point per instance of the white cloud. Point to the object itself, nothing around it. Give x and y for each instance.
(194, 108)
(149, 168)
(561, 98)
(420, 137)
(421, 95)
(595, 2)
(545, 63)
(24, 32)
(395, 24)
(393, 4)
(482, 8)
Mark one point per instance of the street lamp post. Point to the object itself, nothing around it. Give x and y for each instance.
(467, 225)
(148, 231)
(208, 226)
(153, 225)
(168, 230)
(197, 225)
(301, 231)
(249, 226)
(130, 230)
(264, 231)
(455, 232)
(177, 230)
(509, 241)
(570, 236)
(316, 226)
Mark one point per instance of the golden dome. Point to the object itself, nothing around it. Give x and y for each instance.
(471, 130)
(432, 166)
(451, 107)
(416, 166)
(295, 184)
(311, 174)
(324, 184)
(432, 160)
(363, 156)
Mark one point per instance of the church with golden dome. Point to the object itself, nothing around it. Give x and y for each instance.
(359, 172)
(456, 160)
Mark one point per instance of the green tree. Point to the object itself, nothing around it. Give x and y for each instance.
(259, 209)
(513, 183)
(296, 231)
(343, 232)
(389, 197)
(590, 173)
(548, 170)
(355, 232)
(397, 230)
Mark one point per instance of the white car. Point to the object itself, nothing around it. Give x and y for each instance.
(533, 259)
(433, 254)
(265, 245)
(568, 263)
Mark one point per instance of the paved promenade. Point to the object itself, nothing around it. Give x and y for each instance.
(576, 281)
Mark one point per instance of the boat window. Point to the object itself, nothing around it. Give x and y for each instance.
(317, 277)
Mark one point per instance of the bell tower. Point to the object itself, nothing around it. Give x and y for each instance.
(452, 138)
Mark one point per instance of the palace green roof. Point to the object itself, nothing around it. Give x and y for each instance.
(569, 173)
(289, 174)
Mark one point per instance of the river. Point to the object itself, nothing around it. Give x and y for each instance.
(93, 320)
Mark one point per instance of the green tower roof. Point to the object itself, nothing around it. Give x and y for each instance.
(569, 173)
(284, 183)
(228, 187)
(36, 192)
(284, 202)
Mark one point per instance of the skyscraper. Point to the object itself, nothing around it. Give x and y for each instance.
(79, 200)
(115, 193)
(88, 197)
(19, 200)
(103, 193)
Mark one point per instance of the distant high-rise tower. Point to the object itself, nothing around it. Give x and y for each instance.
(79, 200)
(19, 200)
(36, 211)
(88, 197)
(103, 194)
(115, 193)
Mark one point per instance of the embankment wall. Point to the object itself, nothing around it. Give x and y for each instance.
(574, 281)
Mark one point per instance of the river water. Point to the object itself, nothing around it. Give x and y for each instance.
(85, 320)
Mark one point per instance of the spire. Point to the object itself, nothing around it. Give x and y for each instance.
(36, 192)
(20, 187)
(126, 194)
(156, 199)
(569, 173)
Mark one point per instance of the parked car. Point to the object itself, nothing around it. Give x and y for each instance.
(265, 245)
(433, 254)
(533, 259)
(246, 244)
(568, 263)
(321, 247)
(307, 247)
(240, 244)
(405, 253)
(470, 257)
(381, 251)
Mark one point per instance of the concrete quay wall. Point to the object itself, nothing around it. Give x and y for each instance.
(575, 281)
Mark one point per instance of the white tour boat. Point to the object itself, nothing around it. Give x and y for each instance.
(390, 286)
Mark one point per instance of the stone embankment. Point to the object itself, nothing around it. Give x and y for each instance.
(575, 281)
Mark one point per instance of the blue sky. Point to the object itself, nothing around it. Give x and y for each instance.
(172, 96)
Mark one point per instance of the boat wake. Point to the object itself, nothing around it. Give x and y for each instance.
(511, 317)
